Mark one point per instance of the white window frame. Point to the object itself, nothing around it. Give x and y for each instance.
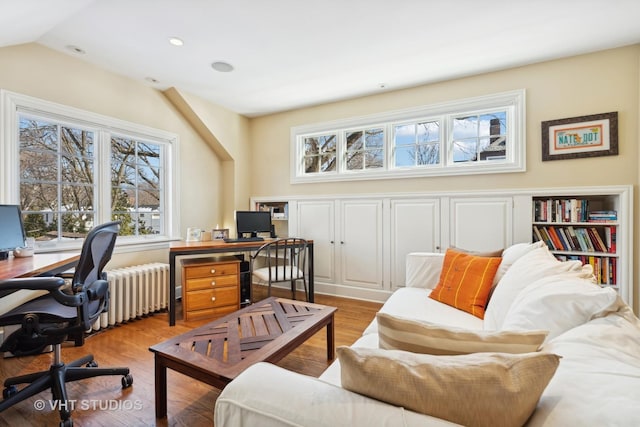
(513, 102)
(12, 104)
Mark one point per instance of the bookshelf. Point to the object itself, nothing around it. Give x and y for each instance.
(584, 228)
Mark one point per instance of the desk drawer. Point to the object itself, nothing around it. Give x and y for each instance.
(210, 283)
(211, 270)
(211, 298)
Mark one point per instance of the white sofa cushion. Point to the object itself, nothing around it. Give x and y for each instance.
(559, 303)
(416, 304)
(476, 390)
(418, 336)
(531, 266)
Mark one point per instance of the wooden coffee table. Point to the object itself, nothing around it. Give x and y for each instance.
(217, 352)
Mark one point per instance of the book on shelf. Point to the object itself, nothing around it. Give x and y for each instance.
(603, 216)
(583, 239)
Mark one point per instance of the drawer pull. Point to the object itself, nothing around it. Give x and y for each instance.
(213, 298)
(213, 283)
(213, 270)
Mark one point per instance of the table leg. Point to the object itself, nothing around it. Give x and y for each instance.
(331, 344)
(172, 289)
(161, 387)
(311, 272)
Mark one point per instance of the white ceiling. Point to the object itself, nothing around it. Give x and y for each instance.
(293, 53)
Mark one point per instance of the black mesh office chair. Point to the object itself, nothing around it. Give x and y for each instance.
(66, 312)
(282, 260)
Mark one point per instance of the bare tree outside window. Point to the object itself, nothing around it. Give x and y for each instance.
(320, 153)
(417, 144)
(58, 174)
(364, 149)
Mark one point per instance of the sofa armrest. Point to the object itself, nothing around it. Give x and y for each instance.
(266, 395)
(423, 269)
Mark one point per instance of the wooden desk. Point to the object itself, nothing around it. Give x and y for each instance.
(181, 248)
(38, 264)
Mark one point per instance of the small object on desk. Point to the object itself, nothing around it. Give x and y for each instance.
(22, 252)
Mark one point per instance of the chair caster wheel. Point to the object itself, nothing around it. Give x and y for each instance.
(92, 364)
(66, 423)
(9, 391)
(127, 381)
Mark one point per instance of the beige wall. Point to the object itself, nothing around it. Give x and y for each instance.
(43, 73)
(588, 84)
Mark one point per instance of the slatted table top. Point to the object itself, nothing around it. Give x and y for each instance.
(217, 352)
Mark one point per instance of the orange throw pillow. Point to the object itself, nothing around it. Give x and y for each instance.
(465, 281)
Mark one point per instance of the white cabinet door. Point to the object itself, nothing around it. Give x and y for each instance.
(414, 227)
(316, 221)
(480, 224)
(361, 243)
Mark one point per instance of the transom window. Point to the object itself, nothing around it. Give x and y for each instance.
(71, 170)
(470, 136)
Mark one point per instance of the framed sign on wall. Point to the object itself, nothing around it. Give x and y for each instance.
(576, 137)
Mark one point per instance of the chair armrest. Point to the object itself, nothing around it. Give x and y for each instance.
(53, 285)
(423, 269)
(32, 283)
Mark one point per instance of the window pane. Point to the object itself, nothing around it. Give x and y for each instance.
(320, 153)
(405, 156)
(311, 164)
(354, 140)
(428, 132)
(374, 138)
(328, 163)
(428, 154)
(136, 174)
(38, 135)
(56, 179)
(465, 127)
(464, 150)
(355, 160)
(374, 159)
(405, 134)
(38, 166)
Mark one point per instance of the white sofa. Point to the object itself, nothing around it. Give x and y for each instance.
(597, 382)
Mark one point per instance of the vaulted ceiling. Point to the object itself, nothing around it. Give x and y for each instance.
(288, 54)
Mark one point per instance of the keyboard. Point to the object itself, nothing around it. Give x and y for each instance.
(245, 239)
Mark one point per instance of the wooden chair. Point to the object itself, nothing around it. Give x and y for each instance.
(282, 260)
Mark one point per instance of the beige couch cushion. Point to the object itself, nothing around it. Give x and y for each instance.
(397, 333)
(475, 390)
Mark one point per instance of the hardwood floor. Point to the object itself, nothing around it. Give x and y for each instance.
(102, 401)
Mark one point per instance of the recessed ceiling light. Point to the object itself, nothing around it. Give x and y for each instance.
(76, 49)
(223, 67)
(151, 80)
(176, 41)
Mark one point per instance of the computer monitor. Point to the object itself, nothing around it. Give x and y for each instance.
(253, 222)
(11, 229)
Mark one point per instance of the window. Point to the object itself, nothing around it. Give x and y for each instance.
(469, 136)
(70, 170)
(364, 149)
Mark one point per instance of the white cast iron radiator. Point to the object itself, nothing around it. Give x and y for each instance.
(134, 292)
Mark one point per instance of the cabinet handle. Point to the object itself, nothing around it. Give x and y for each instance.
(213, 298)
(213, 283)
(331, 242)
(342, 243)
(213, 270)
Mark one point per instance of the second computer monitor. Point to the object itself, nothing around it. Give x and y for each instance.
(252, 222)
